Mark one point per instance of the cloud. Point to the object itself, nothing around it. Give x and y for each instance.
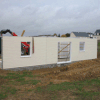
(48, 17)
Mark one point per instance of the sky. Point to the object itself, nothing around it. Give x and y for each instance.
(46, 17)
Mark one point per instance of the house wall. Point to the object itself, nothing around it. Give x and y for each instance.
(76, 55)
(12, 52)
(72, 35)
(98, 37)
(45, 50)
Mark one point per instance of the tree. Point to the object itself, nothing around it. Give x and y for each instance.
(67, 35)
(63, 35)
(55, 34)
(58, 35)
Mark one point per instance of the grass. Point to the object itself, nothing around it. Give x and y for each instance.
(32, 82)
(62, 86)
(2, 96)
(76, 88)
(10, 90)
(6, 91)
(17, 75)
(15, 79)
(36, 76)
(99, 44)
(99, 47)
(79, 90)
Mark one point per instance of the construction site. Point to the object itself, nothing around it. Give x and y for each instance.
(34, 52)
(81, 65)
(59, 60)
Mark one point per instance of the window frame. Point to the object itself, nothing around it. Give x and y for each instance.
(62, 62)
(30, 50)
(83, 47)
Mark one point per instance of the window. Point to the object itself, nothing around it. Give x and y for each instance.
(91, 35)
(97, 33)
(82, 46)
(25, 49)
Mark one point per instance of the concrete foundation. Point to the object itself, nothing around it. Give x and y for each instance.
(38, 67)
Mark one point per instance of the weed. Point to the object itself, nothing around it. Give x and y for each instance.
(84, 94)
(9, 77)
(58, 87)
(9, 90)
(11, 74)
(99, 44)
(30, 90)
(1, 76)
(53, 97)
(34, 82)
(27, 74)
(2, 96)
(5, 91)
(39, 89)
(17, 75)
(36, 76)
(20, 79)
(24, 82)
(51, 83)
(13, 91)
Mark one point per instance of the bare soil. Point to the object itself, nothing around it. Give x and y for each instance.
(82, 70)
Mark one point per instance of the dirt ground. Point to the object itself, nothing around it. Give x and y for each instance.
(82, 70)
(76, 71)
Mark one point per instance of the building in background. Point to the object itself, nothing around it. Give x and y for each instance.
(81, 34)
(97, 34)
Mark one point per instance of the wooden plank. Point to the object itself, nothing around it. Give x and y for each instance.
(63, 44)
(23, 33)
(64, 51)
(82, 44)
(62, 55)
(63, 48)
(81, 47)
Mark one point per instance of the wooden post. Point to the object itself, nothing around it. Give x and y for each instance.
(23, 33)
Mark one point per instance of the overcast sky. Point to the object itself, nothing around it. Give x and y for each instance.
(38, 17)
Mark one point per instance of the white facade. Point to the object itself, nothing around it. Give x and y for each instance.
(98, 37)
(45, 50)
(72, 35)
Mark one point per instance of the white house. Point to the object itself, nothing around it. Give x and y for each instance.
(97, 34)
(81, 34)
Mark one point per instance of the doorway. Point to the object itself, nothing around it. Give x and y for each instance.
(64, 52)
